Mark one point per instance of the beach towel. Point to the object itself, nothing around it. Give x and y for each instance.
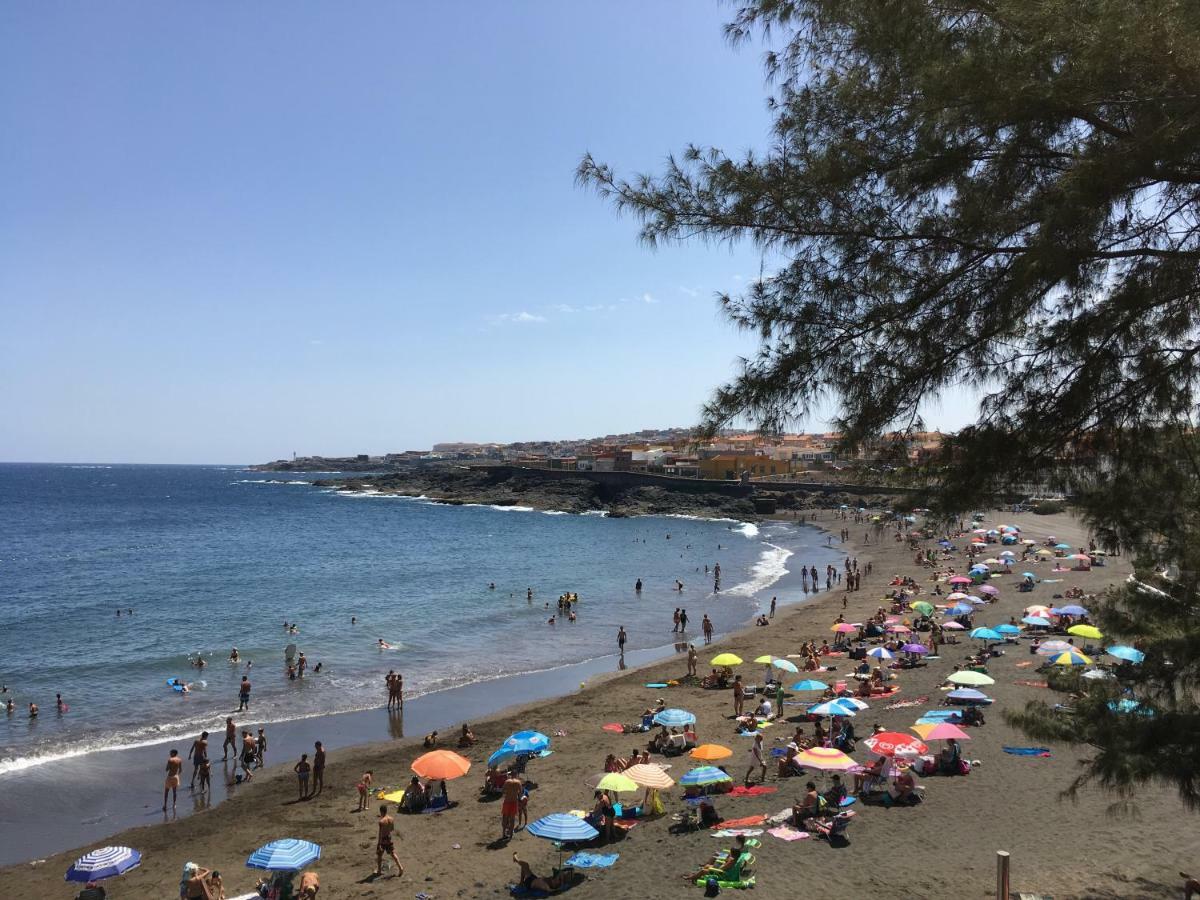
(657, 684)
(583, 860)
(729, 885)
(734, 832)
(757, 791)
(1024, 665)
(1027, 751)
(1037, 684)
(787, 833)
(745, 822)
(905, 704)
(614, 727)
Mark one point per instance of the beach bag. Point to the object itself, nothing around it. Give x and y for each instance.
(711, 887)
(964, 767)
(656, 804)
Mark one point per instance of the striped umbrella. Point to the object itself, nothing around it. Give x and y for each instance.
(832, 708)
(941, 731)
(104, 863)
(1053, 648)
(562, 827)
(704, 775)
(880, 653)
(825, 759)
(284, 855)
(649, 775)
(674, 718)
(1070, 658)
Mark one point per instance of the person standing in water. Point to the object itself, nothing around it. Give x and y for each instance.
(174, 767)
(682, 621)
(637, 586)
(244, 694)
(198, 755)
(621, 639)
(230, 739)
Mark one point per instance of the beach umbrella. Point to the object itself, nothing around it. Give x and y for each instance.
(1008, 629)
(1043, 552)
(765, 658)
(962, 609)
(918, 649)
(649, 775)
(956, 595)
(1050, 648)
(971, 677)
(853, 703)
(1006, 553)
(726, 659)
(843, 628)
(1089, 632)
(978, 601)
(941, 731)
(898, 629)
(522, 743)
(989, 589)
(954, 626)
(710, 752)
(284, 855)
(704, 775)
(832, 708)
(1073, 609)
(990, 561)
(895, 743)
(1039, 621)
(1062, 546)
(825, 759)
(960, 579)
(674, 718)
(924, 608)
(104, 863)
(617, 782)
(1028, 542)
(1038, 610)
(562, 828)
(986, 634)
(880, 653)
(1129, 654)
(1081, 557)
(785, 665)
(1098, 675)
(809, 684)
(1070, 658)
(441, 765)
(969, 695)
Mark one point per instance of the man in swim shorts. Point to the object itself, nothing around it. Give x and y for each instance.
(230, 739)
(387, 827)
(244, 694)
(318, 768)
(248, 754)
(198, 755)
(174, 767)
(510, 807)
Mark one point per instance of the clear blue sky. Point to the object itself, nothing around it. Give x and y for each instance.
(230, 230)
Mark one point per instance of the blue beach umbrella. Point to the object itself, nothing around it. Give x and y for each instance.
(785, 665)
(986, 634)
(969, 695)
(674, 718)
(1028, 575)
(1008, 629)
(810, 684)
(1062, 546)
(880, 653)
(284, 855)
(1129, 654)
(1072, 610)
(704, 775)
(832, 708)
(522, 743)
(961, 609)
(562, 827)
(1036, 620)
(104, 863)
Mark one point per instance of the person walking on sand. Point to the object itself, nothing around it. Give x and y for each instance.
(364, 789)
(248, 753)
(756, 759)
(302, 770)
(230, 739)
(318, 768)
(260, 749)
(706, 626)
(244, 694)
(692, 659)
(384, 843)
(739, 695)
(772, 607)
(198, 755)
(174, 767)
(621, 639)
(510, 804)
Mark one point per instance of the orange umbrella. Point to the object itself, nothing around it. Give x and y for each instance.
(711, 752)
(441, 764)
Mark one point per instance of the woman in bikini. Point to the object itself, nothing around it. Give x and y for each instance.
(531, 882)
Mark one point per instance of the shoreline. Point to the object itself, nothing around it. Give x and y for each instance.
(102, 813)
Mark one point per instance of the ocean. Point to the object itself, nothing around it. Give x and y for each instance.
(213, 557)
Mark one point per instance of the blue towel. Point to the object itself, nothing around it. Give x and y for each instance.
(584, 860)
(1027, 751)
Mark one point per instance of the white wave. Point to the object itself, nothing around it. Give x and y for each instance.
(692, 518)
(89, 467)
(747, 528)
(771, 566)
(602, 513)
(554, 512)
(269, 481)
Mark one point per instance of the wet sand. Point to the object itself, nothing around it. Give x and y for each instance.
(943, 848)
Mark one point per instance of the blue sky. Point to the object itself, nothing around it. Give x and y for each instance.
(231, 230)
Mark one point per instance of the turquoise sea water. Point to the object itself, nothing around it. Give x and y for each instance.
(214, 557)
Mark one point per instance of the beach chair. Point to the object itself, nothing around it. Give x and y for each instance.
(735, 878)
(832, 830)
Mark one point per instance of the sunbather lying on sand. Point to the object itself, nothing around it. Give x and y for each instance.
(532, 882)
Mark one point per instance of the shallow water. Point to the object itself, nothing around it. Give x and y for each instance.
(214, 557)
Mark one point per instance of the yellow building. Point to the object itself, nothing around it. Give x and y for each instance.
(730, 466)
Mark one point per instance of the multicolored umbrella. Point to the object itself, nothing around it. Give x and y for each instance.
(843, 628)
(1052, 648)
(704, 775)
(881, 653)
(921, 606)
(649, 775)
(825, 759)
(104, 863)
(941, 731)
(832, 708)
(1070, 658)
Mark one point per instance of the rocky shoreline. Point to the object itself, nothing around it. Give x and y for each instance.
(501, 486)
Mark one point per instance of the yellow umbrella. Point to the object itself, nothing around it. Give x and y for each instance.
(1090, 632)
(825, 759)
(727, 659)
(711, 752)
(971, 677)
(649, 775)
(616, 782)
(765, 658)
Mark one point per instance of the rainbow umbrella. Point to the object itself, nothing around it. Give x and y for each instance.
(825, 759)
(941, 731)
(1070, 658)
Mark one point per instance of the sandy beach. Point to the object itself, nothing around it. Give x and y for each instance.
(944, 847)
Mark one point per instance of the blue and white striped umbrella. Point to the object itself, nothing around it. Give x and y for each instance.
(104, 863)
(562, 827)
(704, 775)
(832, 708)
(674, 718)
(880, 653)
(284, 855)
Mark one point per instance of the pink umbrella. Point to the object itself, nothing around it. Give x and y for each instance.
(942, 731)
(960, 579)
(953, 626)
(844, 628)
(988, 589)
(899, 629)
(892, 743)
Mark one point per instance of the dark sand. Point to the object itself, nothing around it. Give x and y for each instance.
(943, 848)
